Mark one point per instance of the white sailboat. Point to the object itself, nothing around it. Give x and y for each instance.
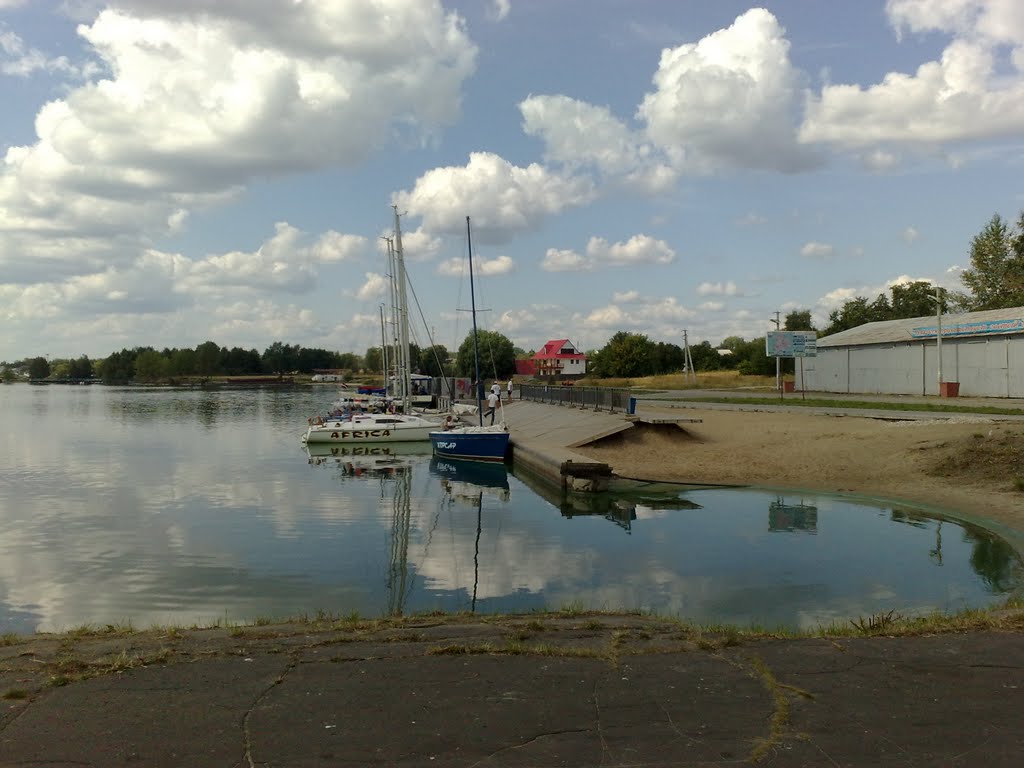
(358, 428)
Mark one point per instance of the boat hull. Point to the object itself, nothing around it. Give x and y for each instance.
(347, 433)
(476, 446)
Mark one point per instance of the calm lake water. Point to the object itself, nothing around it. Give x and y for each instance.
(181, 507)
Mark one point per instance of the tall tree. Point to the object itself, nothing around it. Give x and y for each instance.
(374, 360)
(995, 278)
(497, 356)
(118, 367)
(799, 320)
(857, 311)
(80, 368)
(625, 355)
(151, 366)
(207, 359)
(182, 362)
(433, 360)
(754, 360)
(39, 368)
(347, 360)
(916, 299)
(705, 357)
(667, 358)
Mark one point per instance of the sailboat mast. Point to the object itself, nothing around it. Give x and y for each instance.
(383, 347)
(476, 342)
(405, 385)
(391, 375)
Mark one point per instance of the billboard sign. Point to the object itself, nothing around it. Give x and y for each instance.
(791, 344)
(1015, 325)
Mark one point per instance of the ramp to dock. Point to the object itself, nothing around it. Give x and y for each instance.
(543, 437)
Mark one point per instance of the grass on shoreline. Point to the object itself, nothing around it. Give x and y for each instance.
(1007, 616)
(89, 651)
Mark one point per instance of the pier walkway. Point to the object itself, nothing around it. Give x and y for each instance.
(543, 437)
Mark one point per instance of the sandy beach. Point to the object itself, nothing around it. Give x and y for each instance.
(967, 465)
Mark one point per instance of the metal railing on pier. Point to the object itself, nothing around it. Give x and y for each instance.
(597, 398)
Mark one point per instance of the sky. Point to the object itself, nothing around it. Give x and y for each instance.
(177, 171)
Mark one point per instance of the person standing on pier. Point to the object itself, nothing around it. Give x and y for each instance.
(492, 403)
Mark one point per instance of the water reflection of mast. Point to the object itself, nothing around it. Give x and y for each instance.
(936, 554)
(401, 518)
(476, 548)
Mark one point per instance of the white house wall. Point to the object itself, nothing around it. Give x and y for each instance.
(984, 367)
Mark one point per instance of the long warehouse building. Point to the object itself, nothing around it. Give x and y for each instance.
(983, 352)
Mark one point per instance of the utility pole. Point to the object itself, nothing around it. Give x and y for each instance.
(937, 298)
(688, 359)
(778, 361)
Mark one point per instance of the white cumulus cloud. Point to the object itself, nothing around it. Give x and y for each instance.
(816, 250)
(638, 250)
(200, 98)
(718, 289)
(975, 90)
(578, 134)
(502, 199)
(459, 267)
(730, 100)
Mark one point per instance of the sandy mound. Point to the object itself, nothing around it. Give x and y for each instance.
(964, 465)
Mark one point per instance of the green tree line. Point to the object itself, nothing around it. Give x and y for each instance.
(995, 280)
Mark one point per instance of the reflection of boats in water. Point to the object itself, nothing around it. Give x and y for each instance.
(357, 459)
(468, 482)
(470, 478)
(391, 465)
(326, 450)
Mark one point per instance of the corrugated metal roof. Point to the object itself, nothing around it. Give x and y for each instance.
(992, 322)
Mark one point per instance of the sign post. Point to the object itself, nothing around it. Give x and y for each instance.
(778, 362)
(779, 344)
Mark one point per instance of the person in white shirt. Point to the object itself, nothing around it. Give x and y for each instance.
(492, 404)
(496, 389)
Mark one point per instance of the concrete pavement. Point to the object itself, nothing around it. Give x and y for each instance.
(546, 690)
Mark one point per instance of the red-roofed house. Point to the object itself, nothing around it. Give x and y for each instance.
(560, 358)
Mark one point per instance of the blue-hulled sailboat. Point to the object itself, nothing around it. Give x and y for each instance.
(477, 443)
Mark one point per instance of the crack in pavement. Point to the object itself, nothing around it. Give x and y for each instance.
(597, 718)
(246, 734)
(528, 742)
